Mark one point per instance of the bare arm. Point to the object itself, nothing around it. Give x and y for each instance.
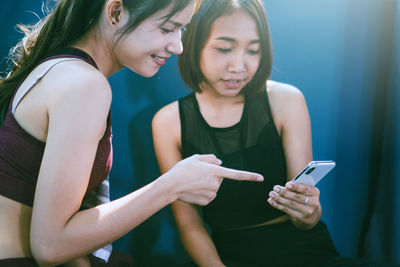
(77, 116)
(292, 119)
(194, 236)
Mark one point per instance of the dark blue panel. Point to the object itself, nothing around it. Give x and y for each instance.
(330, 50)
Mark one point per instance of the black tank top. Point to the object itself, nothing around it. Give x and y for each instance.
(253, 144)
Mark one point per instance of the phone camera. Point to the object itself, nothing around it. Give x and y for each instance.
(310, 170)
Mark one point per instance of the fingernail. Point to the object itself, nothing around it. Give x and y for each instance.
(219, 161)
(276, 188)
(289, 185)
(260, 178)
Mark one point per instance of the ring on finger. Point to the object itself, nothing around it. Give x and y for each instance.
(305, 201)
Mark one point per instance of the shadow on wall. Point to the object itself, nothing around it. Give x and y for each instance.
(380, 234)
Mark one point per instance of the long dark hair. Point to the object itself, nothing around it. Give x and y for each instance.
(198, 32)
(66, 23)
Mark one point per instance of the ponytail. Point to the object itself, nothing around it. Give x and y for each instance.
(67, 23)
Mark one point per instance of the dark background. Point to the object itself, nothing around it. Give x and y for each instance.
(344, 56)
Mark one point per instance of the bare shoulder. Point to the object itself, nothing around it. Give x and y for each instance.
(284, 97)
(78, 82)
(167, 117)
(167, 121)
(79, 77)
(286, 102)
(82, 99)
(283, 93)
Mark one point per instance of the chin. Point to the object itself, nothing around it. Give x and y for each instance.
(148, 75)
(145, 72)
(231, 92)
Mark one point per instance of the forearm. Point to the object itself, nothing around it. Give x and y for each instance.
(93, 228)
(200, 247)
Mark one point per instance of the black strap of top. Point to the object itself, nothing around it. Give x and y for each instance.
(72, 52)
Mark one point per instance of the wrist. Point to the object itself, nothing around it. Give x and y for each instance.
(167, 187)
(307, 225)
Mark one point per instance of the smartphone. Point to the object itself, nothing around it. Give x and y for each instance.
(314, 172)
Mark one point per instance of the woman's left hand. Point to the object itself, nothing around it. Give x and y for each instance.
(299, 201)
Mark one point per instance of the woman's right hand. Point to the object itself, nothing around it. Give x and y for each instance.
(197, 179)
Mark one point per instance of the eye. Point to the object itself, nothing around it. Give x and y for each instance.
(164, 30)
(224, 50)
(254, 52)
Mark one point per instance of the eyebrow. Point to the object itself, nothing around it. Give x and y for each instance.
(229, 39)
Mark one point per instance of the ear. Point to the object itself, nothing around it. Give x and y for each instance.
(114, 11)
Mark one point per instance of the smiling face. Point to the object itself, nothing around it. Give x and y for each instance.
(146, 48)
(231, 55)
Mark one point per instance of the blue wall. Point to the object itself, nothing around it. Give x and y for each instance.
(334, 52)
(331, 51)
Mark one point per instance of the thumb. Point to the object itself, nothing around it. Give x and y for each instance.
(209, 158)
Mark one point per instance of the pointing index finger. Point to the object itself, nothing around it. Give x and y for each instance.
(239, 175)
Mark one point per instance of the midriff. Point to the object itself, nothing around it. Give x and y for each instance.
(15, 223)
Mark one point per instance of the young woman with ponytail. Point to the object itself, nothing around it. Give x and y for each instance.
(55, 130)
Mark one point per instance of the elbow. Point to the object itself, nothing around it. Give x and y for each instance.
(44, 253)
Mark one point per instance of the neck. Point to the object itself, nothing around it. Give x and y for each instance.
(218, 101)
(101, 52)
(220, 111)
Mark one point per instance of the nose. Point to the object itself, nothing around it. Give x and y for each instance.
(237, 63)
(175, 44)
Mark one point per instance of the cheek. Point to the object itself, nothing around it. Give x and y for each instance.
(254, 64)
(207, 64)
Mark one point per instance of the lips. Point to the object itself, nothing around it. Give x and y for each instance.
(233, 83)
(159, 60)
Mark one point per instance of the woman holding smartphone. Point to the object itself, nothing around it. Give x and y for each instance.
(250, 123)
(55, 132)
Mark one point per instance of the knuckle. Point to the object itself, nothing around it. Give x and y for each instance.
(213, 196)
(216, 187)
(314, 209)
(209, 178)
(216, 184)
(317, 192)
(203, 202)
(281, 193)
